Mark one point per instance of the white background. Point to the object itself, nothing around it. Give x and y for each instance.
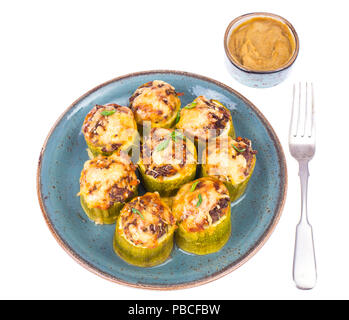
(53, 52)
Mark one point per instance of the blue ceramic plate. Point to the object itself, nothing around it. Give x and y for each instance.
(254, 216)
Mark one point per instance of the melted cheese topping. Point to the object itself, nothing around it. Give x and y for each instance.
(107, 180)
(146, 220)
(226, 162)
(167, 154)
(203, 118)
(116, 131)
(195, 214)
(155, 101)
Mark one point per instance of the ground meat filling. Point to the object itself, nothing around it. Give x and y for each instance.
(220, 120)
(87, 129)
(170, 147)
(146, 219)
(118, 194)
(218, 211)
(245, 145)
(113, 147)
(160, 171)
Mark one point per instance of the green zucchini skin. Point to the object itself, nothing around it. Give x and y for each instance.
(172, 120)
(97, 151)
(106, 184)
(109, 216)
(197, 232)
(148, 210)
(206, 241)
(166, 188)
(235, 190)
(100, 216)
(140, 256)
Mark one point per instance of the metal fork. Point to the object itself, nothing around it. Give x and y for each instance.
(302, 148)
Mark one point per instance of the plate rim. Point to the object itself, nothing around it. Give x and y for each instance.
(219, 274)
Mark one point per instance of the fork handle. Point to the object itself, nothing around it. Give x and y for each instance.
(304, 263)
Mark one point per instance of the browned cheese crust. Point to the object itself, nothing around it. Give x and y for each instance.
(110, 132)
(195, 214)
(146, 219)
(154, 101)
(205, 118)
(165, 153)
(107, 180)
(229, 159)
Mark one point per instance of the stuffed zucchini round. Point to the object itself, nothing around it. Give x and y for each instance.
(110, 128)
(106, 183)
(155, 102)
(202, 209)
(167, 161)
(232, 162)
(205, 119)
(144, 231)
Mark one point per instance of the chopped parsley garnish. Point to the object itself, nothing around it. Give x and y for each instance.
(107, 112)
(178, 116)
(238, 150)
(191, 105)
(163, 145)
(193, 186)
(199, 201)
(175, 135)
(134, 210)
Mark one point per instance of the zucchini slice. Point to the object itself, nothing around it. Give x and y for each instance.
(144, 231)
(202, 209)
(110, 128)
(106, 183)
(167, 161)
(232, 162)
(155, 102)
(203, 120)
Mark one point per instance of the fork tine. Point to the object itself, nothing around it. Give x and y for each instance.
(312, 125)
(305, 120)
(295, 113)
(302, 115)
(309, 111)
(299, 107)
(291, 131)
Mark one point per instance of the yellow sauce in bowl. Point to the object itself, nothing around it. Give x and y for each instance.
(262, 44)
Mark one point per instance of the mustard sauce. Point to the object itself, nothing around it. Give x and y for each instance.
(262, 44)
